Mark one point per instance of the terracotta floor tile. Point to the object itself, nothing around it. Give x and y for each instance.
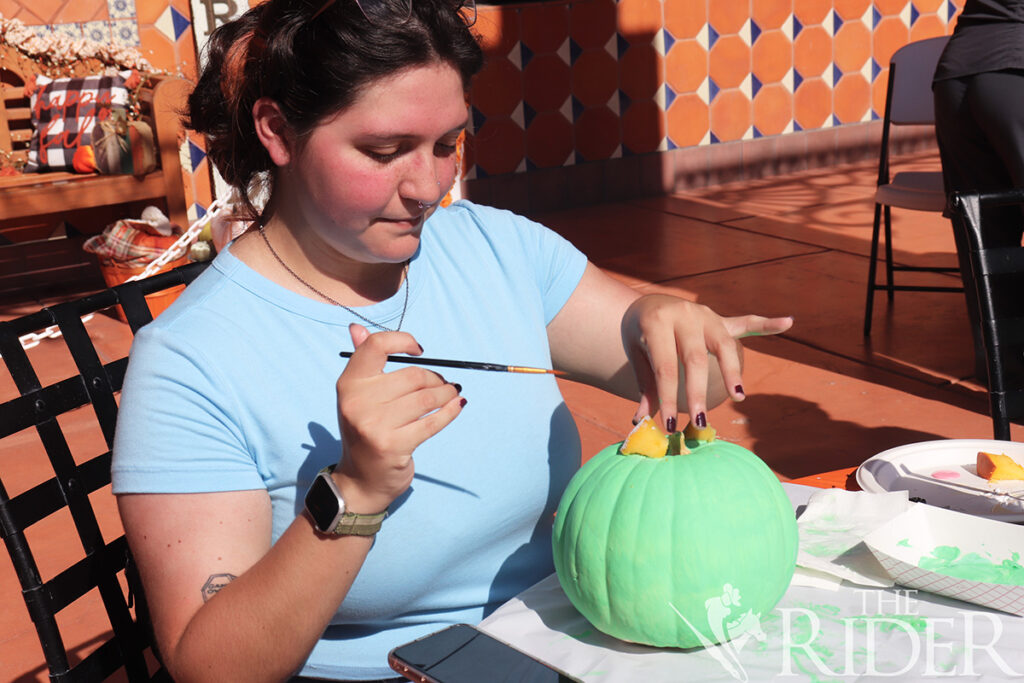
(922, 334)
(777, 195)
(809, 411)
(919, 238)
(655, 246)
(692, 207)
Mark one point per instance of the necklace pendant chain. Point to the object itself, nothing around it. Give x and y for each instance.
(322, 295)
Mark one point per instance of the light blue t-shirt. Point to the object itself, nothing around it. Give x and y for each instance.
(233, 388)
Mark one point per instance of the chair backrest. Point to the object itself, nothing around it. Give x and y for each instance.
(998, 274)
(910, 87)
(75, 473)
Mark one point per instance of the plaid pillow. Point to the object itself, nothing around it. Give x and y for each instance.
(64, 111)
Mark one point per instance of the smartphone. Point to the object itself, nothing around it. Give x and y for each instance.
(463, 654)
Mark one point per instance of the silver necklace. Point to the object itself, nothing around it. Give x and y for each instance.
(405, 279)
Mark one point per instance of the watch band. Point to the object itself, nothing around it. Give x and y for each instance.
(353, 523)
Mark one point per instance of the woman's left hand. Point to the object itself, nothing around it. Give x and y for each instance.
(659, 331)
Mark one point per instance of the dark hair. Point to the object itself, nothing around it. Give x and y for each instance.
(313, 61)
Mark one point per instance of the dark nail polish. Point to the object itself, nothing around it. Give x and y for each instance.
(702, 420)
(458, 387)
(671, 424)
(462, 403)
(635, 422)
(739, 389)
(421, 346)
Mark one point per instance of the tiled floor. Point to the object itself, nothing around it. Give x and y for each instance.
(820, 397)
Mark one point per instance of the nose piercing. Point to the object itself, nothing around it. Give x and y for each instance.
(422, 206)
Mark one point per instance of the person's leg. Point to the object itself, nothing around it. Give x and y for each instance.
(980, 130)
(963, 149)
(996, 102)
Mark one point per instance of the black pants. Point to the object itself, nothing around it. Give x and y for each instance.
(979, 122)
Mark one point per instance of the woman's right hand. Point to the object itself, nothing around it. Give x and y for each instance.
(384, 417)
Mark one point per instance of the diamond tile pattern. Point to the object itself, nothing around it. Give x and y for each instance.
(575, 81)
(622, 77)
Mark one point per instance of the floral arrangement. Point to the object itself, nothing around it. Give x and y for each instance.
(59, 54)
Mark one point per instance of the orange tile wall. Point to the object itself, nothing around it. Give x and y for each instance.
(615, 91)
(569, 82)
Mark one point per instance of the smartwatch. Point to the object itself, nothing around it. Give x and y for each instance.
(327, 508)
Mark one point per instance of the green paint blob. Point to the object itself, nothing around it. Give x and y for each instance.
(948, 561)
(659, 550)
(904, 543)
(916, 623)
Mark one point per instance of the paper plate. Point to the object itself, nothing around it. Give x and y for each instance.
(943, 474)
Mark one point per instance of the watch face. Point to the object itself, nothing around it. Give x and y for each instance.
(322, 504)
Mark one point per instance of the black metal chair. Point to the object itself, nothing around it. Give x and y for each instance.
(998, 274)
(908, 101)
(106, 567)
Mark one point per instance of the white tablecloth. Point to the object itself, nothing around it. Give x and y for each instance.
(853, 633)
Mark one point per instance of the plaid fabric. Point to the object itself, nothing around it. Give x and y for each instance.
(129, 242)
(64, 111)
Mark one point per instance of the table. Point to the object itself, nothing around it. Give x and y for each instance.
(844, 478)
(852, 633)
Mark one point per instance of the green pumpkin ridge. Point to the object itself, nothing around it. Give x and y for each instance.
(591, 572)
(628, 537)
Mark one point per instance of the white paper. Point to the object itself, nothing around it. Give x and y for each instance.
(846, 633)
(832, 530)
(812, 578)
(852, 634)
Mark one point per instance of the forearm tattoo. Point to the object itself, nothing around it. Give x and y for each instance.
(215, 583)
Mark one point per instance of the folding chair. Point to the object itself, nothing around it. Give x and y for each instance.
(106, 566)
(908, 101)
(998, 274)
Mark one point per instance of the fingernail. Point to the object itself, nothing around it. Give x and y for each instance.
(462, 403)
(671, 424)
(421, 346)
(702, 420)
(458, 387)
(739, 389)
(635, 422)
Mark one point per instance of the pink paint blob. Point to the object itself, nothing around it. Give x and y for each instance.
(945, 474)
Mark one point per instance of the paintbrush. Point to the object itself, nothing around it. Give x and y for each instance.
(467, 364)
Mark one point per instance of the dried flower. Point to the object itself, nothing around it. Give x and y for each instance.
(60, 53)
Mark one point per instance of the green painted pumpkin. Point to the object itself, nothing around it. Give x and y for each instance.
(678, 551)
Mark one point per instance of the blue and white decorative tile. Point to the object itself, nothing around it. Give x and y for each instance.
(172, 24)
(125, 33)
(185, 156)
(69, 31)
(121, 9)
(165, 24)
(747, 32)
(98, 31)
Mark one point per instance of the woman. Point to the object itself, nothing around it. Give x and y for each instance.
(979, 122)
(236, 399)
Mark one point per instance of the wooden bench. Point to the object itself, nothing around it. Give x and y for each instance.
(32, 205)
